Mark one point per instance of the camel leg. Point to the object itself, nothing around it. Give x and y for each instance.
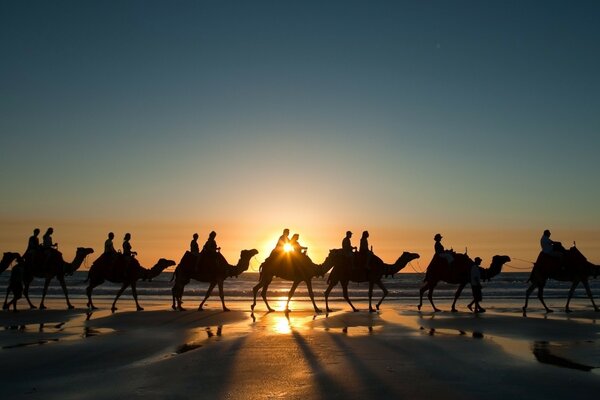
(327, 291)
(290, 294)
(541, 297)
(119, 293)
(422, 290)
(571, 290)
(371, 309)
(222, 296)
(255, 292)
(263, 294)
(177, 291)
(44, 291)
(312, 296)
(63, 284)
(5, 306)
(88, 291)
(589, 293)
(135, 297)
(530, 290)
(211, 286)
(457, 295)
(345, 293)
(385, 292)
(26, 294)
(430, 297)
(174, 305)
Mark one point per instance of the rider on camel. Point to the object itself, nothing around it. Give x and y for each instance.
(296, 246)
(440, 251)
(347, 249)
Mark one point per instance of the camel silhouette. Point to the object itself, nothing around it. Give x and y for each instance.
(16, 289)
(290, 267)
(343, 273)
(211, 270)
(573, 267)
(114, 268)
(48, 267)
(458, 273)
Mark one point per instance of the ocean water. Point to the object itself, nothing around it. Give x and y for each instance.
(401, 286)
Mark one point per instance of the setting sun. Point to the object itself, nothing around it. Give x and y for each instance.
(287, 247)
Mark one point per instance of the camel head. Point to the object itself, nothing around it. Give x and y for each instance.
(407, 257)
(7, 259)
(248, 254)
(83, 252)
(159, 267)
(243, 263)
(495, 268)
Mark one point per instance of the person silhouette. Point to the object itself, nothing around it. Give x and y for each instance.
(109, 247)
(440, 251)
(194, 248)
(33, 245)
(48, 246)
(47, 242)
(128, 254)
(296, 246)
(363, 249)
(283, 240)
(210, 249)
(475, 276)
(549, 246)
(364, 242)
(347, 249)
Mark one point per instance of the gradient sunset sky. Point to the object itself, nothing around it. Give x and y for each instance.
(476, 119)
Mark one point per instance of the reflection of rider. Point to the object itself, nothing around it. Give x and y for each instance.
(348, 249)
(296, 246)
(440, 251)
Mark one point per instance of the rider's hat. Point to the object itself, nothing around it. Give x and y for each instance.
(437, 236)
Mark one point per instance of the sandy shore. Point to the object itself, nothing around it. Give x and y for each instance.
(396, 353)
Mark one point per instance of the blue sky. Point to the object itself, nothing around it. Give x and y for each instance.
(375, 115)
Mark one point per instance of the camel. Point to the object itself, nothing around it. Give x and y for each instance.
(574, 268)
(377, 269)
(458, 273)
(112, 268)
(207, 271)
(291, 267)
(48, 266)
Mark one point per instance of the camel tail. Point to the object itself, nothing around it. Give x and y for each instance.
(173, 276)
(87, 279)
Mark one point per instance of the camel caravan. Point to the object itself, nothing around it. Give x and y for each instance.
(288, 261)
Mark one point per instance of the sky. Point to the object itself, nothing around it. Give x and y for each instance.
(477, 120)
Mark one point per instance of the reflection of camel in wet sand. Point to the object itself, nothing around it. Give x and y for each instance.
(207, 271)
(291, 267)
(573, 267)
(50, 266)
(459, 273)
(112, 268)
(344, 273)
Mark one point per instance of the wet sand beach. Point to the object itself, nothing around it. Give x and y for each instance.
(396, 353)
